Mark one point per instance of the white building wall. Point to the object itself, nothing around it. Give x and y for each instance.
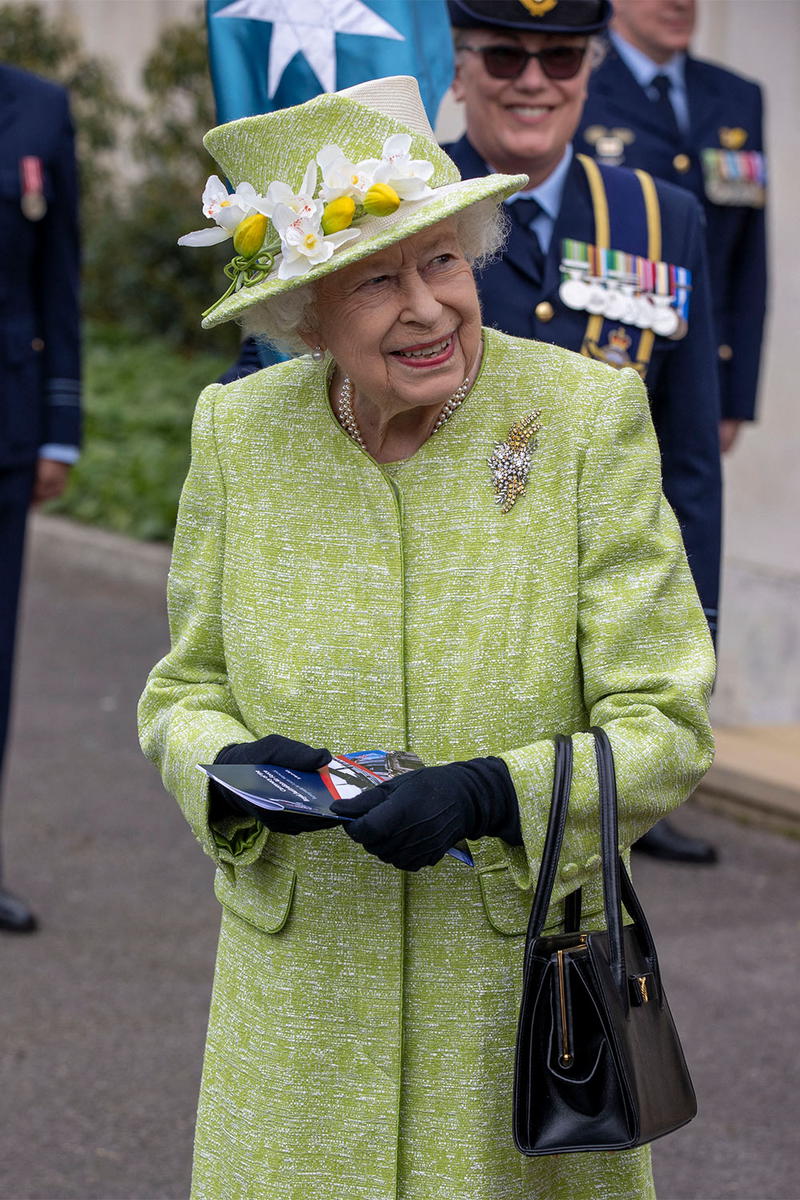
(759, 666)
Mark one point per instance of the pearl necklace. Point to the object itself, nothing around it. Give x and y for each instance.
(350, 425)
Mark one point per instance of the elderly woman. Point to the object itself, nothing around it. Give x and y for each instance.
(376, 548)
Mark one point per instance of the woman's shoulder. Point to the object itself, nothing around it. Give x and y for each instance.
(551, 371)
(284, 386)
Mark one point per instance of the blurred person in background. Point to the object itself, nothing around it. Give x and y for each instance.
(39, 344)
(522, 73)
(653, 105)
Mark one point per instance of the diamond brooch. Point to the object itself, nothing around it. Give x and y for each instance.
(510, 461)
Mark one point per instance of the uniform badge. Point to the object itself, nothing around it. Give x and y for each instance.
(609, 144)
(625, 288)
(735, 177)
(537, 8)
(615, 352)
(32, 202)
(732, 139)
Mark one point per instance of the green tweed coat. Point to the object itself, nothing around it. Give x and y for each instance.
(361, 1037)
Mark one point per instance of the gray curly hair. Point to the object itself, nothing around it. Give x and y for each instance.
(481, 230)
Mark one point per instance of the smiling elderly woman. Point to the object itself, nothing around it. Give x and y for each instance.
(373, 550)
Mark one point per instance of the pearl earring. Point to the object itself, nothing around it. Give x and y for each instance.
(317, 354)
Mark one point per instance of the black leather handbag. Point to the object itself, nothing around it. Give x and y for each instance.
(598, 1062)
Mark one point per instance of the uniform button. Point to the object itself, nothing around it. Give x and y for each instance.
(725, 352)
(544, 311)
(569, 870)
(681, 163)
(594, 861)
(37, 344)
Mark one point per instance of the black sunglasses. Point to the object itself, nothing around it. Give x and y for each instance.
(508, 62)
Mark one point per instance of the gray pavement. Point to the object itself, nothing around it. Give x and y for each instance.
(103, 1010)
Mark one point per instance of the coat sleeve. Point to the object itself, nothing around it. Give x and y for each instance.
(187, 712)
(686, 414)
(57, 273)
(645, 652)
(744, 303)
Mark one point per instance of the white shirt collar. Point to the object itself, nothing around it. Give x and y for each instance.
(549, 194)
(642, 67)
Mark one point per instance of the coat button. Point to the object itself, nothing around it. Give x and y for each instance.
(544, 311)
(594, 861)
(681, 163)
(37, 344)
(569, 870)
(725, 352)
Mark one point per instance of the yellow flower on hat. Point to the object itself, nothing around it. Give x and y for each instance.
(381, 200)
(248, 237)
(338, 214)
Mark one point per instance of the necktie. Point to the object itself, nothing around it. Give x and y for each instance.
(522, 213)
(659, 98)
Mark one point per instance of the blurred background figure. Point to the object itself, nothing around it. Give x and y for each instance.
(39, 343)
(262, 59)
(577, 234)
(652, 105)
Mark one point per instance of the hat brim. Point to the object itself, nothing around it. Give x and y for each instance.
(377, 233)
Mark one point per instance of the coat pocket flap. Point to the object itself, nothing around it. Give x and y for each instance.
(507, 906)
(261, 893)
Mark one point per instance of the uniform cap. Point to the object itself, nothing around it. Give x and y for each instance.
(531, 16)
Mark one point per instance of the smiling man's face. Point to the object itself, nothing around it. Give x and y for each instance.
(523, 125)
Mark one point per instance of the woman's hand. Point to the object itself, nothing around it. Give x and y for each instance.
(275, 751)
(411, 821)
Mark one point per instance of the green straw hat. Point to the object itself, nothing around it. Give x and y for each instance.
(326, 183)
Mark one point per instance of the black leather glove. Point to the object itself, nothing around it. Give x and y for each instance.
(411, 821)
(275, 751)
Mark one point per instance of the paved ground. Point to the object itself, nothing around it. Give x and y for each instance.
(103, 1011)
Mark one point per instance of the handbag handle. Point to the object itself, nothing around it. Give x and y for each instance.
(617, 885)
(609, 853)
(562, 781)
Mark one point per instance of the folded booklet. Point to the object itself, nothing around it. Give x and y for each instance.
(311, 792)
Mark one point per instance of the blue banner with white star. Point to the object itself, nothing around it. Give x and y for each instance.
(268, 54)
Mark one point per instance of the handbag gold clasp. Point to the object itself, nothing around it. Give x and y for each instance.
(566, 1058)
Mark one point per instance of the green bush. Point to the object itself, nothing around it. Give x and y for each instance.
(135, 272)
(139, 401)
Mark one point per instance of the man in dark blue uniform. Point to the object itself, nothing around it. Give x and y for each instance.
(652, 105)
(39, 342)
(588, 246)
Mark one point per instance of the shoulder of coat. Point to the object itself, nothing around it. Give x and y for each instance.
(296, 383)
(726, 80)
(569, 388)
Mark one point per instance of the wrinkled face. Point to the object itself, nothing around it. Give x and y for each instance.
(405, 323)
(659, 28)
(524, 124)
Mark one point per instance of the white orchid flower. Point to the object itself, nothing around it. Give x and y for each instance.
(341, 177)
(408, 176)
(226, 208)
(301, 202)
(303, 243)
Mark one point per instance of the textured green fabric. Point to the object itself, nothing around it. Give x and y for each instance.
(279, 145)
(363, 1020)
